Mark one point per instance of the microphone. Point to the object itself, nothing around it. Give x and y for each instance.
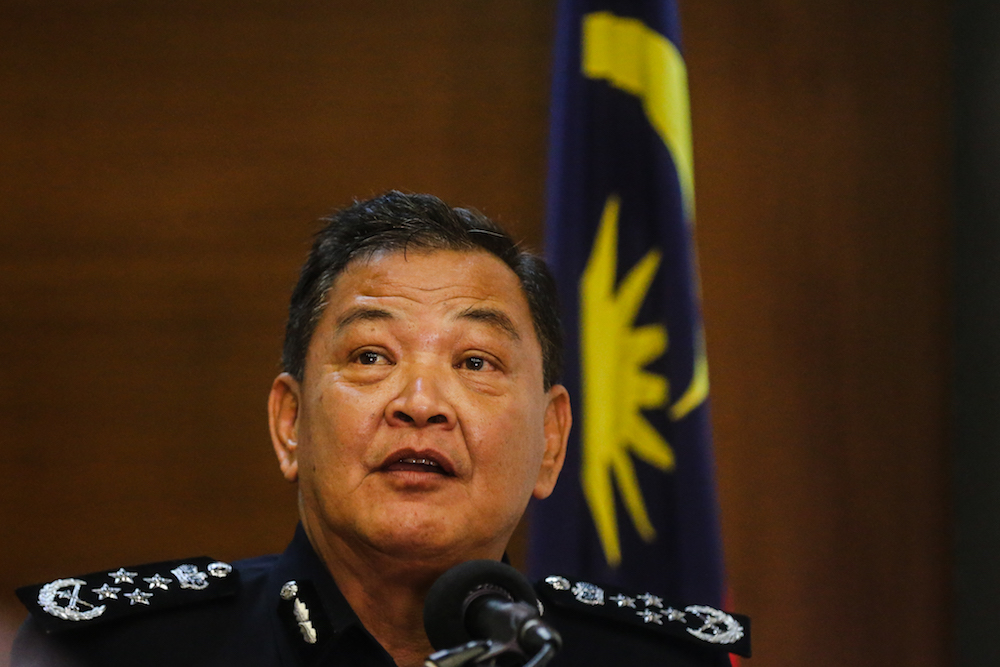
(481, 609)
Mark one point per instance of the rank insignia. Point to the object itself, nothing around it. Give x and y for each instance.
(104, 596)
(303, 617)
(712, 628)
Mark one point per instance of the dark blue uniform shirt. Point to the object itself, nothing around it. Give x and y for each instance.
(286, 610)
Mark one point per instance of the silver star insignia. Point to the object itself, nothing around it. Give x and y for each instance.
(123, 575)
(650, 616)
(623, 600)
(651, 600)
(106, 591)
(138, 597)
(675, 615)
(156, 581)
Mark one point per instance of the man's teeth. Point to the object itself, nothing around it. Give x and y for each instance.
(422, 462)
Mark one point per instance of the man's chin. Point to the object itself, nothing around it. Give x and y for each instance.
(434, 546)
(425, 533)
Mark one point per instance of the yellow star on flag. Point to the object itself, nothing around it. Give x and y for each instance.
(616, 388)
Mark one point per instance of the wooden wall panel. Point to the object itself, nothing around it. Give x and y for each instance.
(160, 168)
(822, 152)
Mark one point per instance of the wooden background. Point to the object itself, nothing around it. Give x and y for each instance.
(161, 168)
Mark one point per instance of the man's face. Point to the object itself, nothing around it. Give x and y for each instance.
(421, 427)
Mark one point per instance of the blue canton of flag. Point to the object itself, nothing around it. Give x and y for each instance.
(636, 502)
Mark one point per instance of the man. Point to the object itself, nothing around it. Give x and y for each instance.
(418, 412)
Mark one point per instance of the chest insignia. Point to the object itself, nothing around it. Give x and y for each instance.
(301, 612)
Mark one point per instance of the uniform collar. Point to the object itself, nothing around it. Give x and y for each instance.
(312, 614)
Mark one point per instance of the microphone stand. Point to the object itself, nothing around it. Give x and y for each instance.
(494, 606)
(485, 652)
(515, 630)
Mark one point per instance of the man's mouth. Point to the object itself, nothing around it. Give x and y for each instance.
(416, 463)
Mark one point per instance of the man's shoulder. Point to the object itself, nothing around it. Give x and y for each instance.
(601, 623)
(170, 612)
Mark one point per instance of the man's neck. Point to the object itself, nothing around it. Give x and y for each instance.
(391, 609)
(387, 593)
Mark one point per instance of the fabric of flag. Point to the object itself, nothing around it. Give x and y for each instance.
(636, 503)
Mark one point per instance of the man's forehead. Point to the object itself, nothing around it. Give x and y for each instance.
(493, 317)
(474, 286)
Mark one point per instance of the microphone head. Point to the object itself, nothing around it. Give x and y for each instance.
(449, 598)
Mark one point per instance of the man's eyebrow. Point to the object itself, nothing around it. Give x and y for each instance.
(362, 314)
(493, 317)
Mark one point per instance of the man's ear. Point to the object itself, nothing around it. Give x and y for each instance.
(558, 420)
(283, 417)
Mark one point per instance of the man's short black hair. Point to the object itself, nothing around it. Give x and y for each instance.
(396, 221)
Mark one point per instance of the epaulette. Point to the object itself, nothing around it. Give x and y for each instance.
(707, 626)
(99, 597)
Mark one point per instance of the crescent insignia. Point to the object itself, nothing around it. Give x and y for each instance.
(717, 627)
(47, 599)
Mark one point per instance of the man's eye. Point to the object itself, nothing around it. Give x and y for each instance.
(368, 358)
(474, 364)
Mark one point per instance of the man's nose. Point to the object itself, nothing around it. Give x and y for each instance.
(421, 402)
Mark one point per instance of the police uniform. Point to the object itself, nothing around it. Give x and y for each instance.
(286, 610)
